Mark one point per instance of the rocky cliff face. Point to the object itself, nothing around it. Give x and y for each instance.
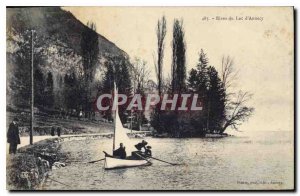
(54, 22)
(57, 49)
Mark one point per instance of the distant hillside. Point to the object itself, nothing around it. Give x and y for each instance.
(53, 21)
(57, 51)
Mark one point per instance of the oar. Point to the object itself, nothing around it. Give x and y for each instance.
(142, 157)
(164, 161)
(59, 182)
(96, 160)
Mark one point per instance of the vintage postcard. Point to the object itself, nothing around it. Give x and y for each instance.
(150, 98)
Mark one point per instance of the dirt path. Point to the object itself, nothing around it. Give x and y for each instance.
(25, 139)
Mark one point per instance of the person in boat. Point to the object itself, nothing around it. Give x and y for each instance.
(141, 145)
(120, 152)
(148, 151)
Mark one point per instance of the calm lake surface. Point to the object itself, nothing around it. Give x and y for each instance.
(262, 161)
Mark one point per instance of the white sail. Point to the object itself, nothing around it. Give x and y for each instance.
(120, 133)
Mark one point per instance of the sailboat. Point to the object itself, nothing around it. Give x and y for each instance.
(120, 136)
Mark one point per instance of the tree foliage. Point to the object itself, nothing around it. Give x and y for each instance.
(90, 50)
(178, 57)
(49, 94)
(39, 87)
(220, 107)
(161, 31)
(236, 110)
(117, 72)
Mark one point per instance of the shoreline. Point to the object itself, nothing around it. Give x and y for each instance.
(31, 166)
(208, 135)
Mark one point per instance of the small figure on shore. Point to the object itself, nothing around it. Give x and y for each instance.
(52, 131)
(13, 137)
(141, 145)
(148, 151)
(58, 130)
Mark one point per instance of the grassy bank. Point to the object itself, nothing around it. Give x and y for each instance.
(30, 166)
(43, 124)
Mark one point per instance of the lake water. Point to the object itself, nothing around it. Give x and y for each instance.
(262, 161)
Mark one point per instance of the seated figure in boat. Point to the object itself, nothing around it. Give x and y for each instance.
(143, 150)
(141, 145)
(148, 151)
(120, 152)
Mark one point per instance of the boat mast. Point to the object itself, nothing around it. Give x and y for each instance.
(32, 94)
(115, 119)
(114, 102)
(131, 122)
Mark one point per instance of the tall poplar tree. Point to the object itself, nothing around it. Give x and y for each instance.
(178, 58)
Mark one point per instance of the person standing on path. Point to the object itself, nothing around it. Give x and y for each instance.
(13, 137)
(52, 131)
(58, 130)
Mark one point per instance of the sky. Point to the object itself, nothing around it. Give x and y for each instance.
(263, 50)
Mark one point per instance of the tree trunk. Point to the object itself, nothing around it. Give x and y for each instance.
(224, 128)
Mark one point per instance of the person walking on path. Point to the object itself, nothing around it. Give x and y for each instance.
(58, 130)
(13, 137)
(52, 131)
